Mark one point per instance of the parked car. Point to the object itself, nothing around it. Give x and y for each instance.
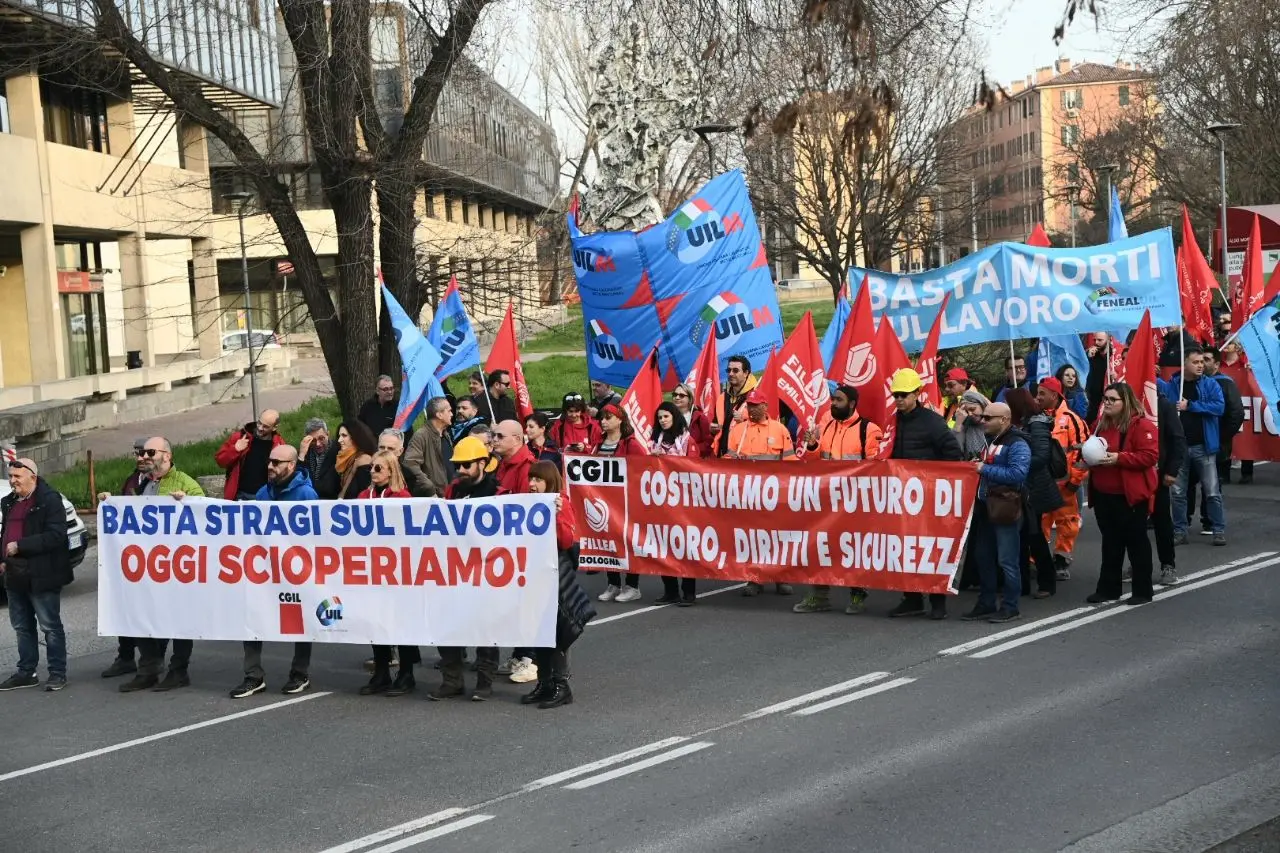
(77, 533)
(262, 339)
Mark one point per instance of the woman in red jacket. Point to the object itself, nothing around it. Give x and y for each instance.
(699, 426)
(575, 431)
(619, 439)
(1122, 490)
(387, 481)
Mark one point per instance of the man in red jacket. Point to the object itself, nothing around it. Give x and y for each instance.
(514, 458)
(244, 456)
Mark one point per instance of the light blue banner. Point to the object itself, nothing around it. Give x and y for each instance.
(419, 360)
(452, 335)
(1260, 338)
(1012, 291)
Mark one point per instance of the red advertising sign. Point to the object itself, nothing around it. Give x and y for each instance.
(879, 524)
(76, 281)
(1259, 438)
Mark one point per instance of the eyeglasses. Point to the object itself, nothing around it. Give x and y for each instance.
(149, 452)
(1107, 399)
(990, 417)
(678, 394)
(902, 395)
(279, 461)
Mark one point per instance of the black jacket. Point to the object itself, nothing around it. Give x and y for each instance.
(379, 417)
(1173, 443)
(1042, 490)
(1095, 384)
(460, 490)
(922, 434)
(575, 607)
(503, 408)
(1232, 414)
(43, 561)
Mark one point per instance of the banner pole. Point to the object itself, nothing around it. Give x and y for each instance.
(484, 379)
(1012, 358)
(1182, 356)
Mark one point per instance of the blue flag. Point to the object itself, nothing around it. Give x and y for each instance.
(419, 359)
(1053, 353)
(1260, 337)
(452, 335)
(831, 337)
(1116, 229)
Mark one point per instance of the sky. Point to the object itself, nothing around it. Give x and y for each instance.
(1021, 38)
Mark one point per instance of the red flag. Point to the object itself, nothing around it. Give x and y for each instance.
(927, 364)
(1140, 367)
(1273, 286)
(643, 398)
(801, 380)
(1196, 282)
(505, 355)
(769, 382)
(575, 206)
(1247, 295)
(704, 379)
(890, 357)
(855, 358)
(1038, 238)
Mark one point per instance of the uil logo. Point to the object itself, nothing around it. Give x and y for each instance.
(329, 611)
(695, 230)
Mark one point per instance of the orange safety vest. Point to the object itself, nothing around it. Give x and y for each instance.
(1068, 429)
(853, 439)
(764, 441)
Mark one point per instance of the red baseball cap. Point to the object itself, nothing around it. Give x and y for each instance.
(957, 374)
(1052, 384)
(757, 398)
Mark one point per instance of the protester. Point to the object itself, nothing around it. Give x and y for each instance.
(919, 434)
(1122, 487)
(1070, 431)
(731, 404)
(695, 419)
(160, 477)
(497, 405)
(427, 469)
(760, 438)
(1072, 391)
(286, 481)
(1173, 457)
(515, 460)
(574, 431)
(387, 481)
(470, 458)
(126, 646)
(1041, 488)
(314, 446)
(1232, 414)
(244, 456)
(475, 385)
(1015, 373)
(618, 439)
(574, 608)
(1231, 354)
(36, 561)
(998, 515)
(1099, 353)
(670, 436)
(1200, 406)
(603, 395)
(954, 384)
(379, 412)
(970, 431)
(540, 444)
(353, 457)
(466, 417)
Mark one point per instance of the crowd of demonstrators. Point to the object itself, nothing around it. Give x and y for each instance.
(1200, 407)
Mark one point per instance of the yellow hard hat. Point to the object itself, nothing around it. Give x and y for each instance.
(905, 381)
(469, 449)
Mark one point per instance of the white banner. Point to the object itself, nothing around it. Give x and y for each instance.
(421, 571)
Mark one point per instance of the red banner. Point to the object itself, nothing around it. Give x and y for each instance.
(1259, 438)
(879, 524)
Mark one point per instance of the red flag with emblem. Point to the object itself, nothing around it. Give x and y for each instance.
(505, 355)
(1247, 297)
(1140, 367)
(801, 381)
(643, 398)
(1196, 282)
(704, 379)
(854, 363)
(927, 364)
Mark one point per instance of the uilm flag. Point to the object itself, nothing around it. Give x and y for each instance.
(801, 381)
(1248, 293)
(927, 364)
(1140, 367)
(643, 398)
(1195, 284)
(505, 355)
(704, 379)
(854, 362)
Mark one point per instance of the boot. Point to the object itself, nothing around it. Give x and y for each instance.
(540, 692)
(404, 682)
(560, 694)
(380, 683)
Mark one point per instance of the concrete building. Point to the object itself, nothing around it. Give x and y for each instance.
(1025, 151)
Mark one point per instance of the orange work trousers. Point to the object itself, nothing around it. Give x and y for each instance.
(1066, 519)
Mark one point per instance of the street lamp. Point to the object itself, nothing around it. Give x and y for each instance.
(243, 199)
(706, 131)
(1105, 172)
(1220, 129)
(1073, 192)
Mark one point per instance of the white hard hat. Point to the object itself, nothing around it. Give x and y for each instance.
(1094, 450)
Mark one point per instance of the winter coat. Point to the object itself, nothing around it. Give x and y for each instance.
(1006, 463)
(1078, 402)
(1173, 443)
(1209, 406)
(176, 481)
(700, 432)
(1232, 412)
(424, 466)
(1043, 494)
(513, 473)
(228, 458)
(1134, 474)
(922, 435)
(627, 446)
(297, 488)
(587, 433)
(372, 493)
(43, 561)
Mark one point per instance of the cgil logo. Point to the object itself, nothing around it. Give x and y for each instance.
(593, 260)
(600, 472)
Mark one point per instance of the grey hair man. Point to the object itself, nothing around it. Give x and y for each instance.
(427, 463)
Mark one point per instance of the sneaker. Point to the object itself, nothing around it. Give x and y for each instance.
(18, 681)
(1206, 530)
(609, 594)
(139, 682)
(1126, 574)
(752, 589)
(813, 604)
(857, 602)
(55, 683)
(508, 666)
(906, 607)
(628, 593)
(119, 667)
(1138, 599)
(1004, 615)
(1095, 598)
(666, 598)
(524, 672)
(173, 679)
(1168, 577)
(783, 589)
(1219, 539)
(1061, 570)
(978, 612)
(248, 687)
(297, 683)
(1181, 538)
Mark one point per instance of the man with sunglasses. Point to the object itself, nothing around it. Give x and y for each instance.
(919, 434)
(285, 482)
(497, 403)
(244, 456)
(379, 412)
(732, 402)
(159, 476)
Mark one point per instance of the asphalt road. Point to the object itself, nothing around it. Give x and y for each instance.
(732, 726)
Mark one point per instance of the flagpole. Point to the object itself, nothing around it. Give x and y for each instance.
(1182, 356)
(484, 380)
(1012, 358)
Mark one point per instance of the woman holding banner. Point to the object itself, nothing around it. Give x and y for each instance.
(618, 439)
(671, 437)
(695, 418)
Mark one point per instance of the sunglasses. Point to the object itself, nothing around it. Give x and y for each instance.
(679, 394)
(378, 469)
(902, 395)
(990, 417)
(149, 452)
(279, 461)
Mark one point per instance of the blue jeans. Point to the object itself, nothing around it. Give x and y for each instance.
(1206, 466)
(25, 609)
(997, 545)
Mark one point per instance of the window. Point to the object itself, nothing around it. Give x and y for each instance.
(1070, 134)
(222, 183)
(384, 39)
(448, 208)
(4, 110)
(1073, 173)
(429, 199)
(75, 117)
(1072, 99)
(466, 212)
(1123, 95)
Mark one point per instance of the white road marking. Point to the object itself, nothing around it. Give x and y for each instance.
(815, 695)
(687, 749)
(653, 608)
(851, 697)
(412, 840)
(396, 831)
(1122, 608)
(181, 730)
(584, 769)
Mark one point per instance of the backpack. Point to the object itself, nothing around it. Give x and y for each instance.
(1057, 461)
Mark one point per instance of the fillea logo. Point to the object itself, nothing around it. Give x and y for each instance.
(597, 513)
